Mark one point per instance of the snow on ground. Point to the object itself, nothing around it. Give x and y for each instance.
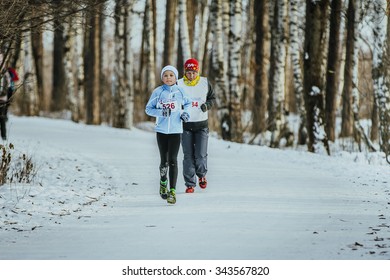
(95, 197)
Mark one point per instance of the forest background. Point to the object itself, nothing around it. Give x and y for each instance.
(287, 73)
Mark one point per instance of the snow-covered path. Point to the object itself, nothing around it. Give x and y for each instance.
(260, 203)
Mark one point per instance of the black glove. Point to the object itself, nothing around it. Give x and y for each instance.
(166, 112)
(185, 117)
(203, 107)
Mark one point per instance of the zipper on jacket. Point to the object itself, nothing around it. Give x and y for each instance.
(169, 117)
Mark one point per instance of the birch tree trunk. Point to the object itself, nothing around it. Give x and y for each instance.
(276, 118)
(29, 81)
(154, 44)
(69, 66)
(200, 31)
(247, 57)
(183, 30)
(122, 90)
(147, 66)
(234, 71)
(333, 69)
(295, 50)
(217, 73)
(79, 64)
(313, 82)
(150, 53)
(129, 69)
(226, 18)
(353, 27)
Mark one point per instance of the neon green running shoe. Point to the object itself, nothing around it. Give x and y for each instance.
(163, 189)
(172, 196)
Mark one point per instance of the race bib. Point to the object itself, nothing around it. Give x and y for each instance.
(171, 105)
(196, 102)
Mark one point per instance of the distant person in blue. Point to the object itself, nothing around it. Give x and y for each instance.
(169, 105)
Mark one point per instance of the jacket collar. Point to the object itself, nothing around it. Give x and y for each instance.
(169, 88)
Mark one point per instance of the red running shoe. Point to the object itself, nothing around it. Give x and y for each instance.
(190, 190)
(203, 182)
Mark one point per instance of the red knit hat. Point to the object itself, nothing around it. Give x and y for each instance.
(191, 65)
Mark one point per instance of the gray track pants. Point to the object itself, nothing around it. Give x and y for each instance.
(194, 144)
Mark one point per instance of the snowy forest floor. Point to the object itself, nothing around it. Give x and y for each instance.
(95, 196)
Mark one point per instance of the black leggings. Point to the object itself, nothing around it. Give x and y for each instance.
(169, 145)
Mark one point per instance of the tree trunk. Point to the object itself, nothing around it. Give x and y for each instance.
(70, 69)
(92, 65)
(235, 71)
(297, 70)
(200, 31)
(217, 68)
(29, 82)
(58, 101)
(129, 69)
(261, 67)
(183, 30)
(37, 52)
(192, 16)
(169, 39)
(374, 134)
(247, 58)
(80, 78)
(147, 77)
(120, 78)
(313, 82)
(333, 69)
(347, 114)
(122, 70)
(150, 48)
(276, 118)
(353, 22)
(381, 90)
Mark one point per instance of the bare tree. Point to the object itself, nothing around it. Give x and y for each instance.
(21, 17)
(13, 24)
